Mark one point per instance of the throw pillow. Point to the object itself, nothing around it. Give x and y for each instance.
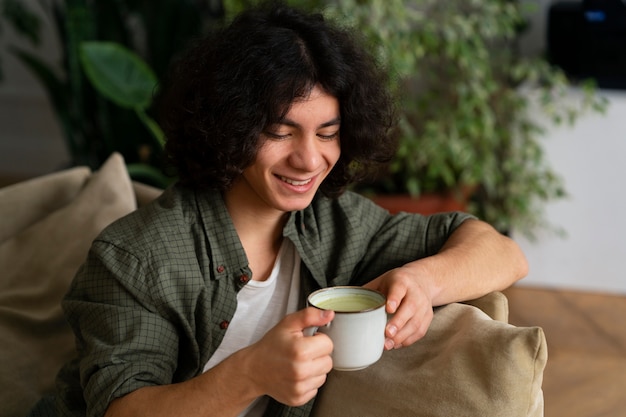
(37, 266)
(495, 305)
(466, 365)
(27, 202)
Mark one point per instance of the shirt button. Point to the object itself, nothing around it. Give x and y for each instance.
(244, 279)
(220, 269)
(224, 325)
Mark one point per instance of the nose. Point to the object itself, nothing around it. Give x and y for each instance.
(306, 153)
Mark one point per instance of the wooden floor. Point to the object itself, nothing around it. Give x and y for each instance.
(586, 334)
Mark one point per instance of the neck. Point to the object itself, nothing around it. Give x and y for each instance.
(260, 232)
(266, 231)
(252, 219)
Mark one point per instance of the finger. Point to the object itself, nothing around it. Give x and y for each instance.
(395, 296)
(408, 324)
(301, 322)
(322, 365)
(306, 390)
(407, 310)
(308, 317)
(316, 347)
(414, 329)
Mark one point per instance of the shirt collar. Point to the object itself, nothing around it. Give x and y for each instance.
(227, 254)
(225, 250)
(302, 230)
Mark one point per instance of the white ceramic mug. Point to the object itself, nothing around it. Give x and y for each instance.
(358, 328)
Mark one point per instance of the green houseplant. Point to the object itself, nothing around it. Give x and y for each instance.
(465, 95)
(122, 77)
(94, 127)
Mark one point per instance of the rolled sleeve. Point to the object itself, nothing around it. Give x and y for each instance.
(406, 237)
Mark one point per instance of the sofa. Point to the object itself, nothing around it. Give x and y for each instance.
(470, 363)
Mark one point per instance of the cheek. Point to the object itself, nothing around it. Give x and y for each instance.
(334, 154)
(265, 158)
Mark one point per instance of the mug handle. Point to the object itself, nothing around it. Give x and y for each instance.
(310, 331)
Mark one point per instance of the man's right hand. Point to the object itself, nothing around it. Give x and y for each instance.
(287, 365)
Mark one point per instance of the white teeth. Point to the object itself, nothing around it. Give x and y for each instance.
(294, 182)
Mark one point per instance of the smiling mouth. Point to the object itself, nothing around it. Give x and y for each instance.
(295, 182)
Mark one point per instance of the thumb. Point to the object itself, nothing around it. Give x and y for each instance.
(308, 317)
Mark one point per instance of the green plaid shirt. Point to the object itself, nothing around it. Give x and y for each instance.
(158, 289)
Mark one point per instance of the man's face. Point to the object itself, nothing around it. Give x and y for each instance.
(297, 154)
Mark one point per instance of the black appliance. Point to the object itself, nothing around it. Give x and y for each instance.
(587, 39)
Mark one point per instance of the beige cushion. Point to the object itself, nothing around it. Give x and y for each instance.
(27, 202)
(494, 304)
(466, 365)
(38, 264)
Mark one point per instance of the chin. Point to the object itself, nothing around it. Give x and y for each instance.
(295, 205)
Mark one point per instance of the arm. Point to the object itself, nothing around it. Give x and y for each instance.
(284, 365)
(475, 260)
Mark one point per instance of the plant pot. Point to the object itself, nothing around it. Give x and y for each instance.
(426, 204)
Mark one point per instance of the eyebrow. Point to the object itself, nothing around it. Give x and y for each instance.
(332, 122)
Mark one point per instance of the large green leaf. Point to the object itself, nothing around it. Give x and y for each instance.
(118, 74)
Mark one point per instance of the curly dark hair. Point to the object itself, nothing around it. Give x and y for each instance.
(234, 83)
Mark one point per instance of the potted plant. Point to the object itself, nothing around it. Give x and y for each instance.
(466, 132)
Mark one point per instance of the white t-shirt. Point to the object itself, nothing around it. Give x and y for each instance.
(260, 306)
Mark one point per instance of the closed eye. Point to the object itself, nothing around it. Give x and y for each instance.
(331, 136)
(277, 136)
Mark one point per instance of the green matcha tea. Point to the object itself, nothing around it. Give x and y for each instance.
(349, 303)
